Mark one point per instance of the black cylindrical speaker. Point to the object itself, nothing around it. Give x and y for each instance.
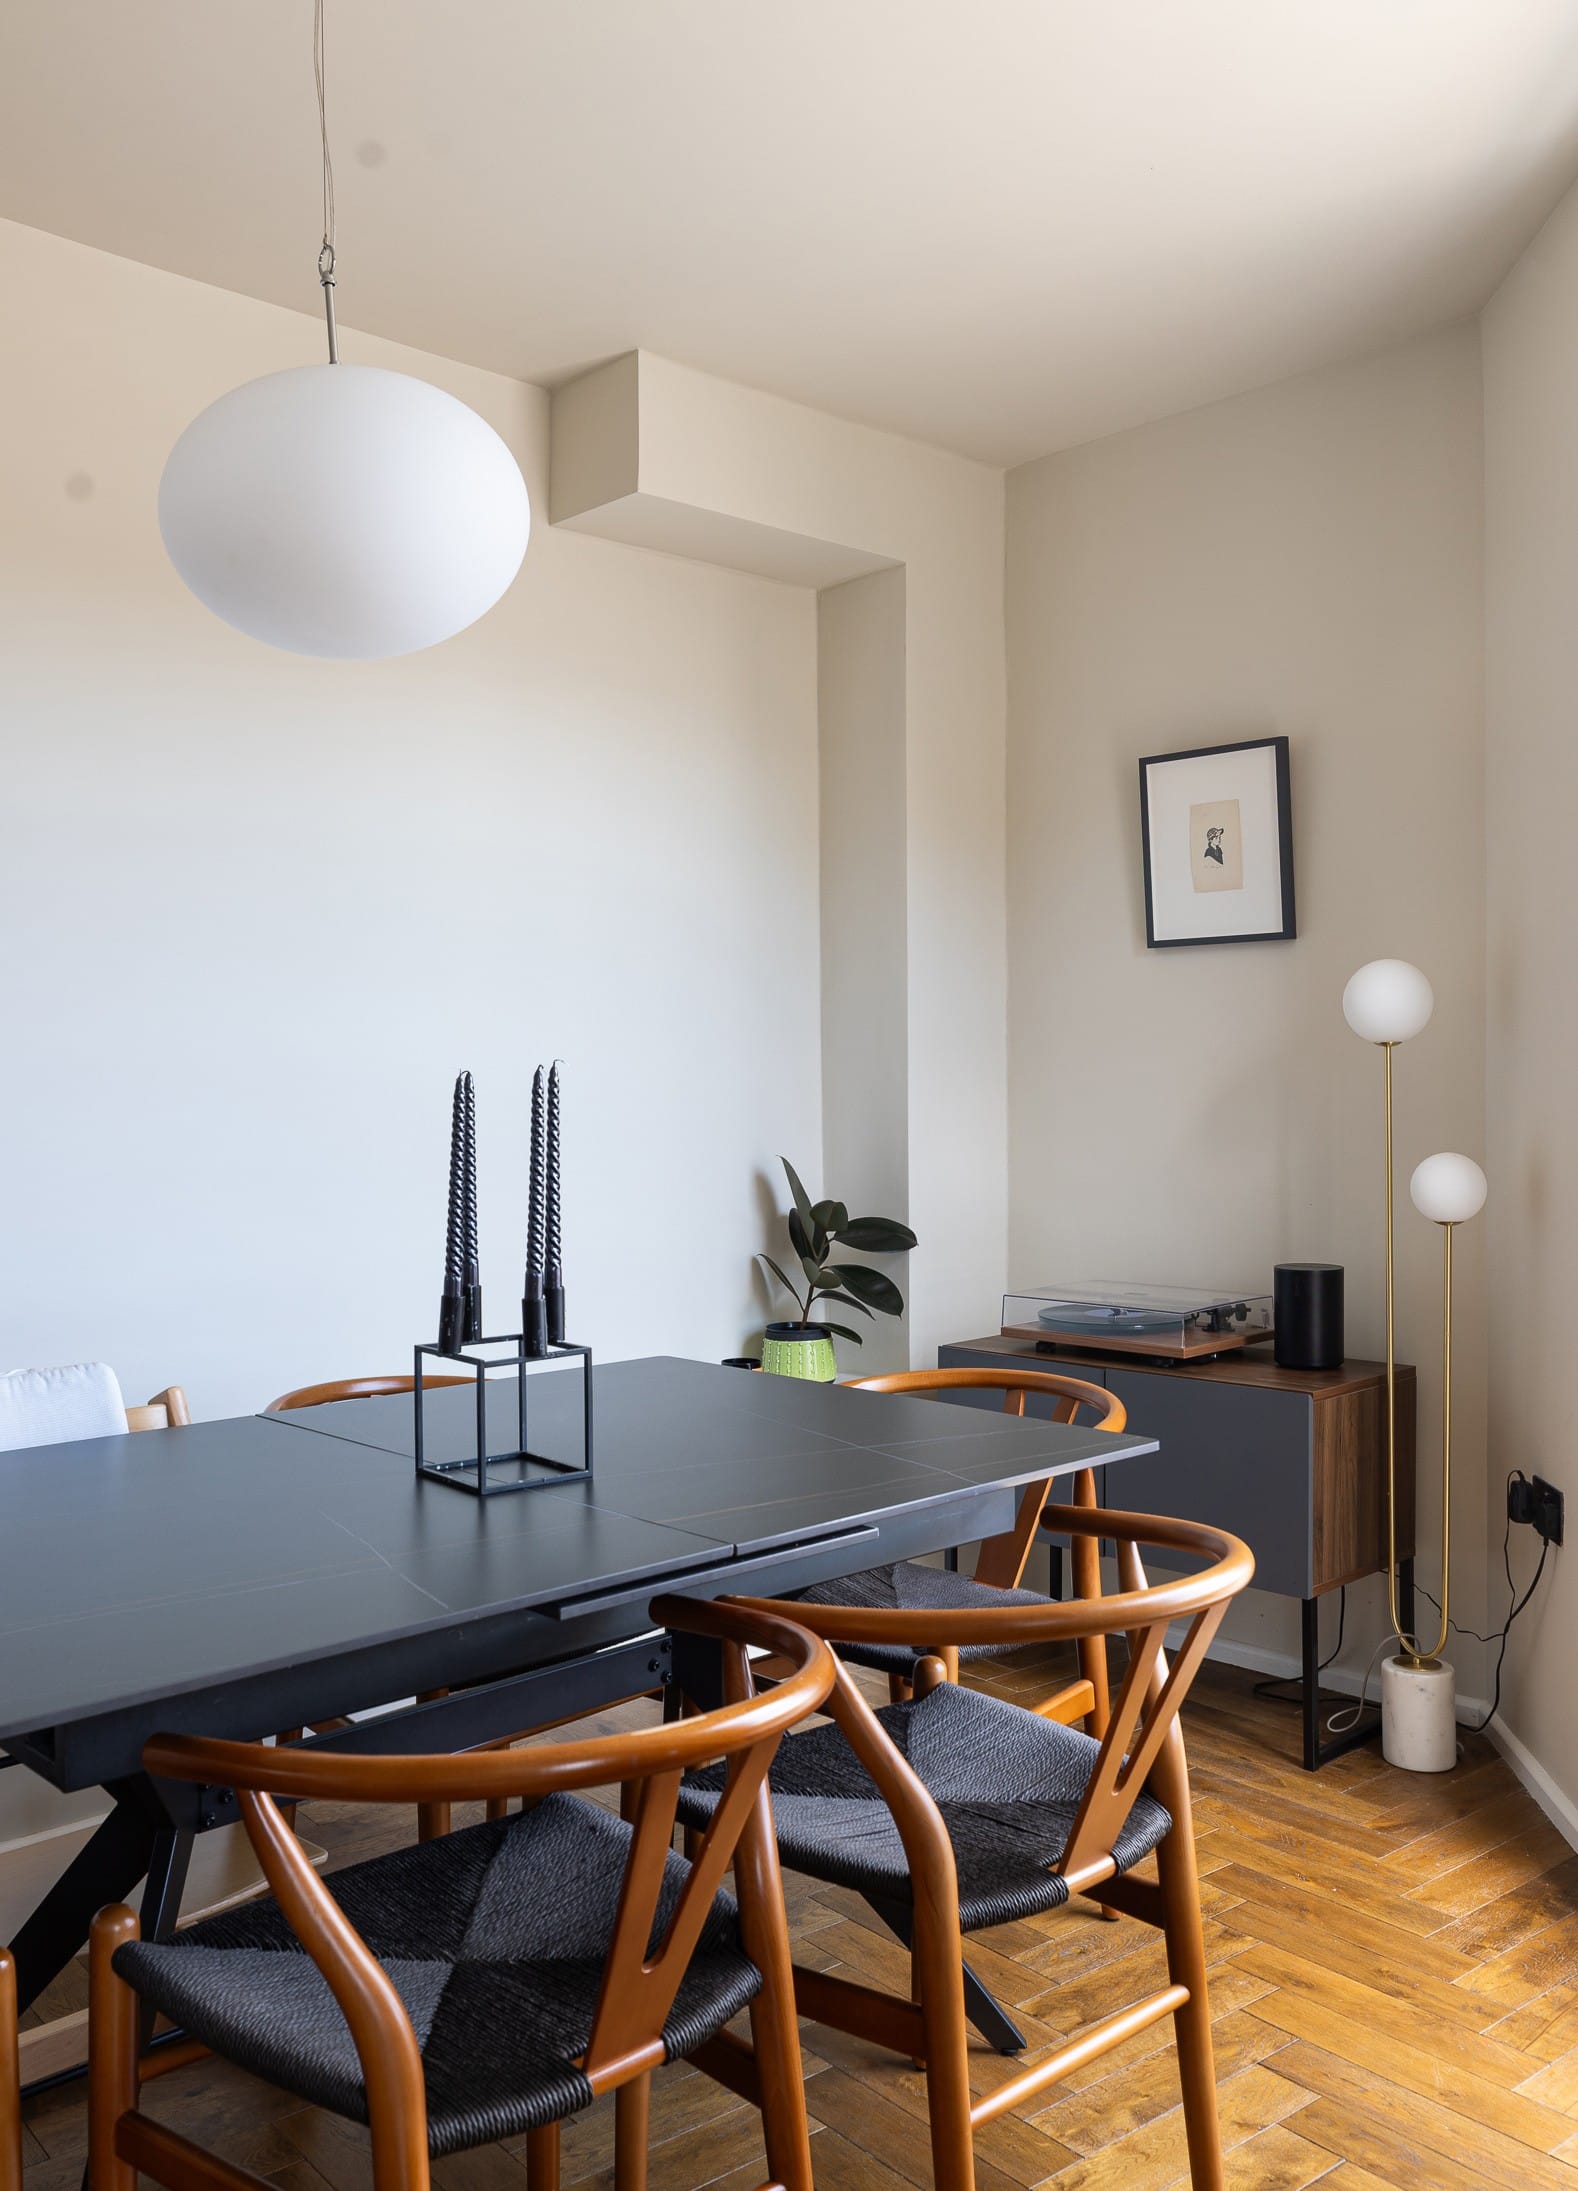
(1307, 1316)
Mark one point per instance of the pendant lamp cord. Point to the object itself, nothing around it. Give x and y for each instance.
(326, 252)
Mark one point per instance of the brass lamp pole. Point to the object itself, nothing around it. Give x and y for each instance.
(1449, 1190)
(1388, 1002)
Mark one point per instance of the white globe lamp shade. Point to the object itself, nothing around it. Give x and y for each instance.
(344, 511)
(1388, 1001)
(1448, 1189)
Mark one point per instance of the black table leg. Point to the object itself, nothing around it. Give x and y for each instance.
(161, 1903)
(104, 1870)
(950, 1559)
(1055, 1571)
(979, 2005)
(1316, 1752)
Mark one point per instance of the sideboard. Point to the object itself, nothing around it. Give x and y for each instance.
(1293, 1461)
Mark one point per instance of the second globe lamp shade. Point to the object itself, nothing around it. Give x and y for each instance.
(1448, 1189)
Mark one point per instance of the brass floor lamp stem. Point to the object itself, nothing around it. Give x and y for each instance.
(1434, 1656)
(1409, 1643)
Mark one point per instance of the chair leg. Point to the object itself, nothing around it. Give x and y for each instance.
(775, 2028)
(10, 2081)
(112, 2050)
(899, 1689)
(542, 2158)
(498, 1806)
(632, 2122)
(1180, 1885)
(939, 1966)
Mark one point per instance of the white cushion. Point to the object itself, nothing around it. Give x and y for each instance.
(50, 1406)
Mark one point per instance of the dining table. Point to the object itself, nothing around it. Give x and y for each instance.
(280, 1571)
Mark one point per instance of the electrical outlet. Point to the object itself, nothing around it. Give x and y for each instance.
(1533, 1501)
(1548, 1510)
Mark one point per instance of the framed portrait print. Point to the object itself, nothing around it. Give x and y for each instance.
(1216, 830)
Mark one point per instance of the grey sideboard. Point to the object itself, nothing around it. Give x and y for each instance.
(1292, 1461)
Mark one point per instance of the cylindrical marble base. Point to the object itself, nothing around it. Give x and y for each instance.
(1418, 1716)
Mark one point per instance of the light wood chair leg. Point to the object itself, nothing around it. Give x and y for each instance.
(498, 1806)
(112, 2050)
(10, 2081)
(1180, 1885)
(898, 1689)
(542, 2159)
(632, 2123)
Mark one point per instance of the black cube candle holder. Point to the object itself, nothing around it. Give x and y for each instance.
(521, 1467)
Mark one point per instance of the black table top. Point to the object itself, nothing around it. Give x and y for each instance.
(170, 1564)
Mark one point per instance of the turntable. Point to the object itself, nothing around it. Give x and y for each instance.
(1165, 1323)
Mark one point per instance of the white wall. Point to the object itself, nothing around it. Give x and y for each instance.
(1531, 692)
(1304, 560)
(257, 911)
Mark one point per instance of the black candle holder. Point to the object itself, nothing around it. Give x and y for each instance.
(522, 1468)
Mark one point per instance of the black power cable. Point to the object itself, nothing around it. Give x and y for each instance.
(1515, 1603)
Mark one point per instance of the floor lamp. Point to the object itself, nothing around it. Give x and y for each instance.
(1388, 1002)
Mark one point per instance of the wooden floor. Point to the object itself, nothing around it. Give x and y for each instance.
(1394, 1982)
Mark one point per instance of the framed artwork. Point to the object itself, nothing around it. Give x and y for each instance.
(1216, 830)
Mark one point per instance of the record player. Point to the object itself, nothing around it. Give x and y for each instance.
(1164, 1323)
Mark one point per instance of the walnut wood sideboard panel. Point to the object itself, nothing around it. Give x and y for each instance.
(1293, 1461)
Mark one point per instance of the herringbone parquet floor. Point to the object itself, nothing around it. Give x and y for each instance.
(1394, 1982)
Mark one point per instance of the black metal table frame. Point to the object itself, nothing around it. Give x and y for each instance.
(1317, 1752)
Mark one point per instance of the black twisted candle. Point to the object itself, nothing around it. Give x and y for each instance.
(473, 1270)
(451, 1308)
(533, 1320)
(554, 1287)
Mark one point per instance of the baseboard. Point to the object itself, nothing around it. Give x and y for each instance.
(1558, 1807)
(1283, 1666)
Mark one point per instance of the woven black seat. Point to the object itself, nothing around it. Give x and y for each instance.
(908, 1584)
(1007, 1783)
(495, 1939)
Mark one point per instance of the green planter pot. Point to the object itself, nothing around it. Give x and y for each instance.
(799, 1350)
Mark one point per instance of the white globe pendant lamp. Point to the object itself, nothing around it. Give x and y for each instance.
(343, 510)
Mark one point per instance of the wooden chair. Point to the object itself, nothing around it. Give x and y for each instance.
(1000, 1564)
(353, 1388)
(488, 1984)
(988, 1813)
(167, 1410)
(432, 1819)
(10, 2080)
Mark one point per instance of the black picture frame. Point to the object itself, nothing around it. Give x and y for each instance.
(1289, 924)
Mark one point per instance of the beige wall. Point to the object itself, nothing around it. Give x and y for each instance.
(729, 474)
(1304, 560)
(259, 910)
(1531, 725)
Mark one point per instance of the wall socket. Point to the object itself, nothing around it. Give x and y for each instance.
(1531, 1499)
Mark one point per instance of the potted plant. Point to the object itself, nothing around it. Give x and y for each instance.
(801, 1347)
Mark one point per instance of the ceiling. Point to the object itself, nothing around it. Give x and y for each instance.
(999, 225)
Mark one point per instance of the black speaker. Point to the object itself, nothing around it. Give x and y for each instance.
(1307, 1315)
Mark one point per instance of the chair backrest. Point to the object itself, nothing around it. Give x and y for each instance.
(57, 1406)
(167, 1410)
(1144, 1721)
(638, 1987)
(354, 1388)
(1001, 1560)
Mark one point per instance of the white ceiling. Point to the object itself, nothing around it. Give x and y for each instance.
(1001, 225)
